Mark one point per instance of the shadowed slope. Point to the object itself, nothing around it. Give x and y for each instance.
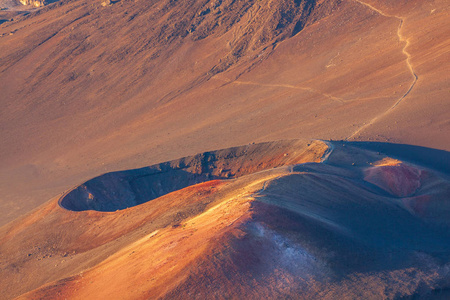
(434, 158)
(335, 229)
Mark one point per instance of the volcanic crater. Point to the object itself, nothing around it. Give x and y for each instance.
(123, 189)
(229, 216)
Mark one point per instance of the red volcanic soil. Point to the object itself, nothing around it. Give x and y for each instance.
(316, 229)
(54, 242)
(396, 178)
(87, 89)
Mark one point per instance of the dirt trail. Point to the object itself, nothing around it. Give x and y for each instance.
(291, 171)
(289, 86)
(408, 63)
(327, 153)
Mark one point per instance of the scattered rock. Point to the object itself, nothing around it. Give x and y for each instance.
(35, 3)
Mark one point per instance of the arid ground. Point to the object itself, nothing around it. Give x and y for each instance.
(259, 149)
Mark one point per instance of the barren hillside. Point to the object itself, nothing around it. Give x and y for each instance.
(92, 87)
(87, 88)
(286, 219)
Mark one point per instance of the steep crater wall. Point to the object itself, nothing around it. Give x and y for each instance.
(123, 189)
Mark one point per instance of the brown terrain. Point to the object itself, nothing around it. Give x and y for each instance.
(337, 185)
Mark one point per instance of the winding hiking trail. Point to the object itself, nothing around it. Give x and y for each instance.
(408, 63)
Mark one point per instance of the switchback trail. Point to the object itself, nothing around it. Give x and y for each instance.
(408, 63)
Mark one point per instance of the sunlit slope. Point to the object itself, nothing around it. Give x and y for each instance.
(54, 242)
(422, 118)
(87, 89)
(350, 223)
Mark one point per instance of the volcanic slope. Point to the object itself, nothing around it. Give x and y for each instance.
(303, 220)
(87, 88)
(87, 224)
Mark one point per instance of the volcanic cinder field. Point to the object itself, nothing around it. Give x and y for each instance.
(225, 149)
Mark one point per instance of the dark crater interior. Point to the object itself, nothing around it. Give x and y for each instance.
(119, 190)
